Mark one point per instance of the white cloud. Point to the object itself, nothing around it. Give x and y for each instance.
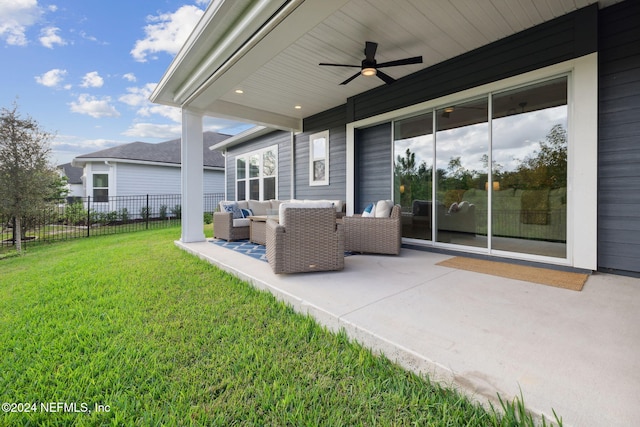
(138, 97)
(166, 32)
(130, 77)
(49, 37)
(92, 79)
(52, 78)
(94, 107)
(15, 17)
(151, 130)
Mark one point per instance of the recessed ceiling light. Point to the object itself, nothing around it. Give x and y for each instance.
(298, 107)
(239, 91)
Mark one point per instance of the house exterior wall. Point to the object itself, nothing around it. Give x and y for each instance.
(132, 179)
(374, 166)
(334, 121)
(619, 134)
(285, 165)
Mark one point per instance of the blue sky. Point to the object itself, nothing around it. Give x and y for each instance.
(84, 69)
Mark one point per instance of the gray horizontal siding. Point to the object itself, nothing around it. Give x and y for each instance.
(619, 133)
(373, 165)
(134, 179)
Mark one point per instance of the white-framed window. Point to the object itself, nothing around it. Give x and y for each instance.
(100, 187)
(257, 174)
(319, 158)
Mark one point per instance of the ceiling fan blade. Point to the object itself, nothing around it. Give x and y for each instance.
(339, 65)
(350, 78)
(370, 51)
(386, 78)
(406, 61)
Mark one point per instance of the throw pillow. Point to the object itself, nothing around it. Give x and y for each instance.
(369, 210)
(383, 209)
(233, 209)
(246, 213)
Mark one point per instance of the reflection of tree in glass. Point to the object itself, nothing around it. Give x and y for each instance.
(413, 183)
(318, 170)
(546, 167)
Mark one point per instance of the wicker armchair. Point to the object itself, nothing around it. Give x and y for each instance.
(309, 240)
(374, 235)
(224, 228)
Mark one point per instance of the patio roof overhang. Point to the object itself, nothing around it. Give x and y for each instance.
(270, 49)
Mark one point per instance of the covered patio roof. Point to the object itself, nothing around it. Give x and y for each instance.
(257, 61)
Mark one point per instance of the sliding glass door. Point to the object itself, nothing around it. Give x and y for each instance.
(492, 175)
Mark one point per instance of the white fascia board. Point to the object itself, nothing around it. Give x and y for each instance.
(81, 162)
(247, 135)
(232, 111)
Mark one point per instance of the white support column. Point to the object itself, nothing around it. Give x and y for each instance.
(192, 177)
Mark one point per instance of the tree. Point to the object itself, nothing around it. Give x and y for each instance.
(26, 176)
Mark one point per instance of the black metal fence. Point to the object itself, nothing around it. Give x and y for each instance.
(75, 217)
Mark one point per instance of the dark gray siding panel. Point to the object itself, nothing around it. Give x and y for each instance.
(373, 165)
(555, 41)
(333, 120)
(619, 139)
(280, 138)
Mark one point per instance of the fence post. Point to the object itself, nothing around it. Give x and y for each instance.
(147, 213)
(13, 230)
(88, 216)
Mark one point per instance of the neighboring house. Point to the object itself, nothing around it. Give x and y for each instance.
(74, 179)
(142, 168)
(516, 137)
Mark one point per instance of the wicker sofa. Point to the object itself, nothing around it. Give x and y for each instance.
(306, 239)
(374, 235)
(231, 227)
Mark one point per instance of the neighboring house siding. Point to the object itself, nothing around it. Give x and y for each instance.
(561, 39)
(283, 141)
(213, 182)
(333, 120)
(619, 136)
(134, 179)
(373, 154)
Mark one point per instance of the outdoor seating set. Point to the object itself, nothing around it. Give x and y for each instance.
(310, 235)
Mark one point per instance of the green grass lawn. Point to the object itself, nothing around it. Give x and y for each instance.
(159, 337)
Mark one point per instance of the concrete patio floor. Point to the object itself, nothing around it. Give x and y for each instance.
(575, 352)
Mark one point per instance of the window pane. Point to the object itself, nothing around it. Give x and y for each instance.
(413, 170)
(241, 169)
(101, 180)
(319, 148)
(462, 147)
(254, 166)
(530, 169)
(269, 163)
(241, 190)
(254, 189)
(269, 188)
(318, 170)
(100, 195)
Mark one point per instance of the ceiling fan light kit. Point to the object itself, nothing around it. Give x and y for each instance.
(369, 66)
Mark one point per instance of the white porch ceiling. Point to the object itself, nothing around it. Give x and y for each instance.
(280, 71)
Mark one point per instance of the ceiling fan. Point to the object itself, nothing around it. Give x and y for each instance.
(369, 66)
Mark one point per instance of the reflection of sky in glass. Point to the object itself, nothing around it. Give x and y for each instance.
(318, 148)
(468, 142)
(516, 137)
